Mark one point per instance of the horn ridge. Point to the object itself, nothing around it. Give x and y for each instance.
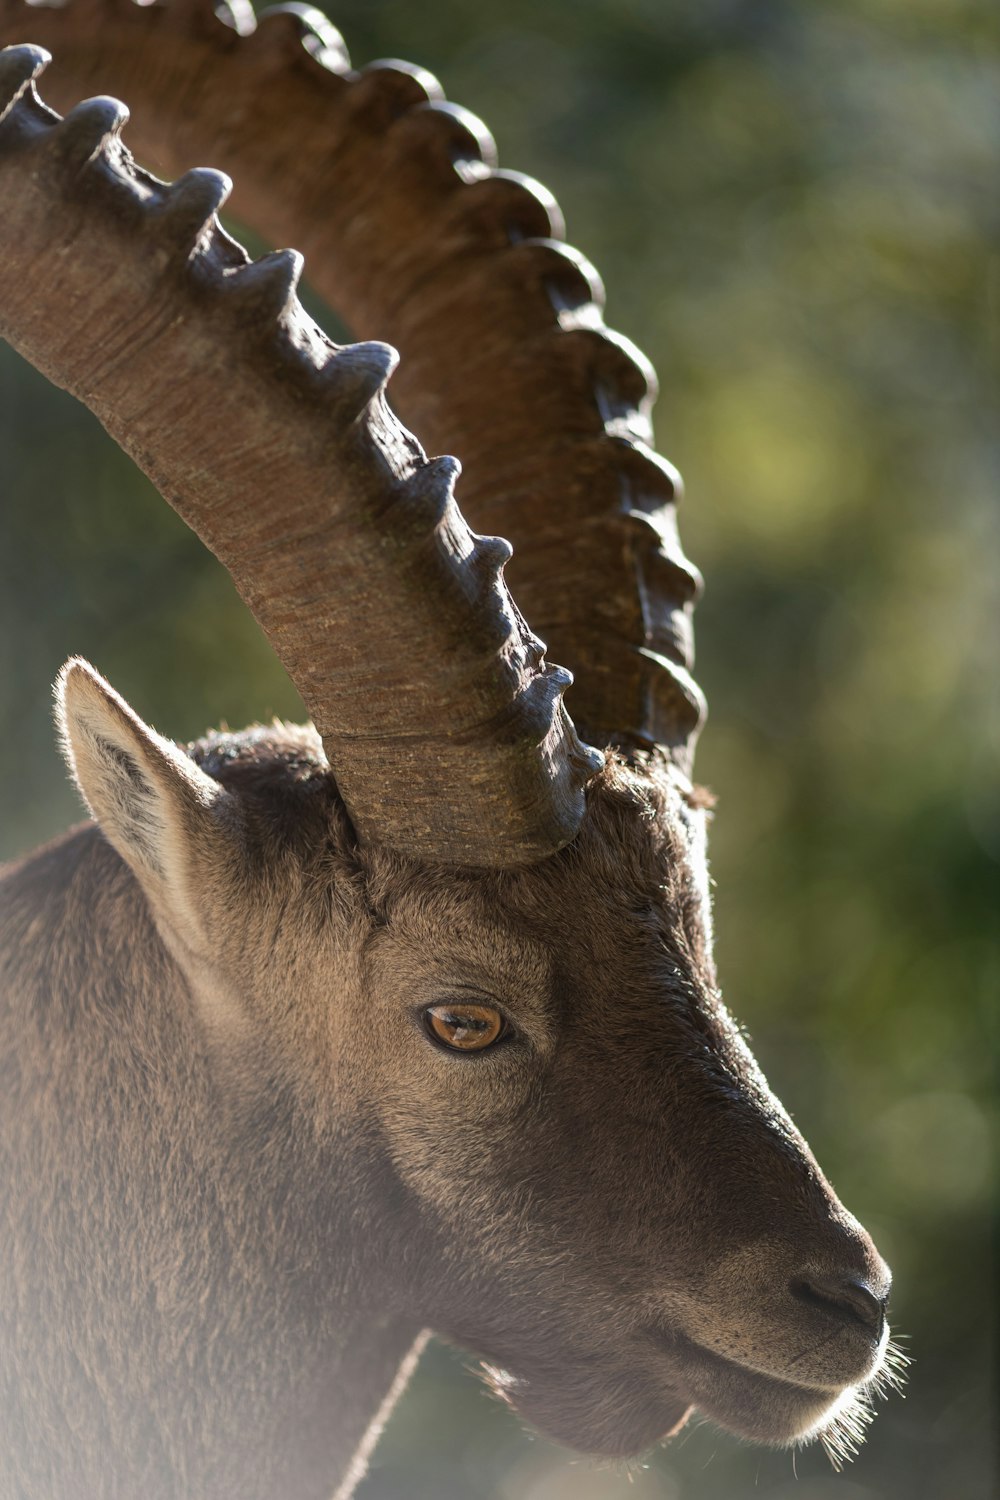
(416, 213)
(205, 368)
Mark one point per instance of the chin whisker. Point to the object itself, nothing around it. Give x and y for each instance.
(844, 1432)
(893, 1375)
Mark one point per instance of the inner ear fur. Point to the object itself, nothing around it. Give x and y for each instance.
(165, 817)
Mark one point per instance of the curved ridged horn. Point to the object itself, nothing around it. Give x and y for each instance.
(443, 724)
(413, 235)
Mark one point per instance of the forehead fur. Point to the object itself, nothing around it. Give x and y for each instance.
(641, 845)
(640, 851)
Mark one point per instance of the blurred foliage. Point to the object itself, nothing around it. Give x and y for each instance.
(792, 205)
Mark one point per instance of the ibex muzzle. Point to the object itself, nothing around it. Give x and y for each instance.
(323, 1037)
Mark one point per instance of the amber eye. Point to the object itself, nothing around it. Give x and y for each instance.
(464, 1028)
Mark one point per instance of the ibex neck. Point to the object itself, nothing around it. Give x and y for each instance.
(195, 1310)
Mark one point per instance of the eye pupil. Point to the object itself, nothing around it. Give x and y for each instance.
(464, 1028)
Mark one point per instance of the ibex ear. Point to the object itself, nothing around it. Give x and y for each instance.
(158, 809)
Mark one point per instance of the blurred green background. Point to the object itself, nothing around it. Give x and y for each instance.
(791, 205)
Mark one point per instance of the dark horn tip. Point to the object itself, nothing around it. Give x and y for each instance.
(84, 131)
(286, 34)
(586, 760)
(197, 17)
(18, 67)
(313, 32)
(358, 373)
(466, 137)
(529, 210)
(493, 553)
(394, 85)
(446, 467)
(193, 201)
(266, 287)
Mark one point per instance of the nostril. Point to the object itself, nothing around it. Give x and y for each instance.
(852, 1299)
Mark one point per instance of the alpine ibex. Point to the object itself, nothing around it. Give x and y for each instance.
(317, 1038)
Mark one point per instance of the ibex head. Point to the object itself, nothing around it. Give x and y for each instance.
(460, 956)
(572, 1161)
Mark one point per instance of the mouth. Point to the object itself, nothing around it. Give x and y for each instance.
(658, 1393)
(668, 1377)
(778, 1409)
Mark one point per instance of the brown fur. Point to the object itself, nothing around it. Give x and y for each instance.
(240, 1179)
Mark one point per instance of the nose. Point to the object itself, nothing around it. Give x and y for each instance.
(853, 1299)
